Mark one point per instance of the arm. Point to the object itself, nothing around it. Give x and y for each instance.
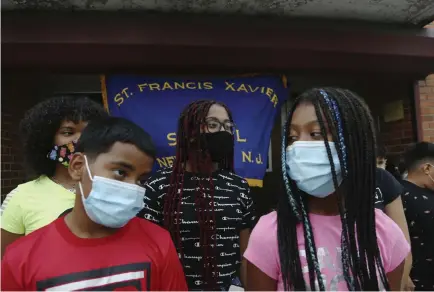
(392, 191)
(395, 211)
(394, 249)
(12, 226)
(259, 281)
(6, 239)
(395, 277)
(172, 277)
(261, 256)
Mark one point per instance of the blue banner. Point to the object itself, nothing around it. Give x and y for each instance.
(156, 103)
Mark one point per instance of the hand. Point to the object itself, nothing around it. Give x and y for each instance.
(409, 286)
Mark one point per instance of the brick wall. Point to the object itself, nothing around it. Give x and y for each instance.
(426, 105)
(397, 136)
(12, 172)
(19, 93)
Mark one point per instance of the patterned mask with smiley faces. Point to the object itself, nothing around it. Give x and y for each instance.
(62, 153)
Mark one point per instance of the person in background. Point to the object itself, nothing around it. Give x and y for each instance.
(49, 131)
(326, 233)
(381, 156)
(205, 206)
(403, 170)
(382, 162)
(388, 198)
(393, 169)
(100, 244)
(419, 210)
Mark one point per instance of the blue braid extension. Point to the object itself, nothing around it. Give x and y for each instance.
(341, 144)
(333, 107)
(311, 249)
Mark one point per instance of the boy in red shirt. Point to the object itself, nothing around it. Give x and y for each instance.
(100, 244)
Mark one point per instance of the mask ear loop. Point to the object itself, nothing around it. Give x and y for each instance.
(292, 201)
(429, 175)
(90, 176)
(337, 116)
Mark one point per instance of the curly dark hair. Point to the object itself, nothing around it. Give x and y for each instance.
(41, 122)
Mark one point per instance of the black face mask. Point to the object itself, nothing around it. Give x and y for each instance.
(219, 144)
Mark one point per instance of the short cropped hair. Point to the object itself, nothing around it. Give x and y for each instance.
(420, 152)
(100, 135)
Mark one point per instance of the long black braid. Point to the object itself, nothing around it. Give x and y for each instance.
(191, 148)
(351, 125)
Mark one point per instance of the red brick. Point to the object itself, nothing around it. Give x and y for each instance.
(7, 182)
(426, 90)
(409, 133)
(427, 103)
(426, 110)
(16, 100)
(428, 118)
(16, 166)
(428, 132)
(396, 149)
(397, 135)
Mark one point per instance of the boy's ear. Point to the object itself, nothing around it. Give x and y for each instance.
(425, 168)
(76, 166)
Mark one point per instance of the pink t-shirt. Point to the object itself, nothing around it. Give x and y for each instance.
(263, 252)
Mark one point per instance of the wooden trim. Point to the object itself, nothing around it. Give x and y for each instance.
(110, 42)
(104, 93)
(417, 112)
(165, 30)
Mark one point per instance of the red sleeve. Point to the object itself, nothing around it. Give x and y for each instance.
(9, 280)
(172, 276)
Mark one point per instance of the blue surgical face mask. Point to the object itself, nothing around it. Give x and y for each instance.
(112, 203)
(308, 165)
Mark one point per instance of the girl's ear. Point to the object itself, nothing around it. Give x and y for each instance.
(76, 166)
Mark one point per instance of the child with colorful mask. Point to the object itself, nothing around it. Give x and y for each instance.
(49, 131)
(100, 244)
(326, 233)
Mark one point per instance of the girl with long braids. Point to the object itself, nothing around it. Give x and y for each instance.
(326, 233)
(205, 206)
